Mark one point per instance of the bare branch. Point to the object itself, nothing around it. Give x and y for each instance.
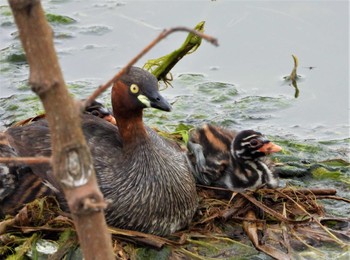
(25, 160)
(160, 37)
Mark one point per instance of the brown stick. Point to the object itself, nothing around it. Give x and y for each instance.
(160, 37)
(251, 230)
(270, 211)
(317, 192)
(25, 160)
(333, 198)
(72, 162)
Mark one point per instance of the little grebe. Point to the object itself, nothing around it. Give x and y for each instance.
(231, 160)
(146, 177)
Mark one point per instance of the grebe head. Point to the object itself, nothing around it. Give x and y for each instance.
(137, 89)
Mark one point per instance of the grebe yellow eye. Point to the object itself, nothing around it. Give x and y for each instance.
(134, 88)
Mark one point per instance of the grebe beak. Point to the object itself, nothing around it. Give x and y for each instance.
(160, 103)
(156, 101)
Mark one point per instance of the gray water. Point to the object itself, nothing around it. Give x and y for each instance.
(257, 39)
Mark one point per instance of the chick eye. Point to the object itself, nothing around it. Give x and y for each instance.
(254, 143)
(95, 113)
(134, 88)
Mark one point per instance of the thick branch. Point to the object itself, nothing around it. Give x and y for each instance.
(72, 162)
(25, 160)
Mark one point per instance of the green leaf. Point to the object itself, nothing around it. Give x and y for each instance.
(59, 19)
(320, 172)
(160, 67)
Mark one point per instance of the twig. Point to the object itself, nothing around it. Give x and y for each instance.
(316, 191)
(306, 244)
(333, 198)
(296, 191)
(229, 240)
(136, 236)
(26, 160)
(160, 37)
(272, 212)
(285, 232)
(334, 219)
(288, 189)
(316, 220)
(5, 224)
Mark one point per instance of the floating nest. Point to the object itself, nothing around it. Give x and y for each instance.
(282, 223)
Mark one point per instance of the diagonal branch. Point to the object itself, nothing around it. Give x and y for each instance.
(160, 37)
(25, 160)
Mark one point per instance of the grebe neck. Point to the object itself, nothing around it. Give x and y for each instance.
(132, 129)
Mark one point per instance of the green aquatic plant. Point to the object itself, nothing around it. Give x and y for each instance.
(5, 11)
(319, 172)
(6, 18)
(336, 162)
(161, 67)
(340, 173)
(150, 253)
(59, 19)
(12, 54)
(17, 58)
(183, 130)
(15, 107)
(293, 77)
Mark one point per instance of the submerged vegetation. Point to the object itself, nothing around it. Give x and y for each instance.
(59, 19)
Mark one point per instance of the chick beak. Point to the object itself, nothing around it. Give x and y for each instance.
(110, 119)
(269, 148)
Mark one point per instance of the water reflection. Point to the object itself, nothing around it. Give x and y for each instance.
(294, 77)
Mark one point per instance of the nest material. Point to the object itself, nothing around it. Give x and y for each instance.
(277, 222)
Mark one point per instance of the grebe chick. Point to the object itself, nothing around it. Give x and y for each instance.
(231, 160)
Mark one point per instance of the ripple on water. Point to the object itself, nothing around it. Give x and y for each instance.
(18, 107)
(6, 18)
(218, 92)
(96, 29)
(25, 104)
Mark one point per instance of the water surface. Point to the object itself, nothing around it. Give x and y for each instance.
(257, 39)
